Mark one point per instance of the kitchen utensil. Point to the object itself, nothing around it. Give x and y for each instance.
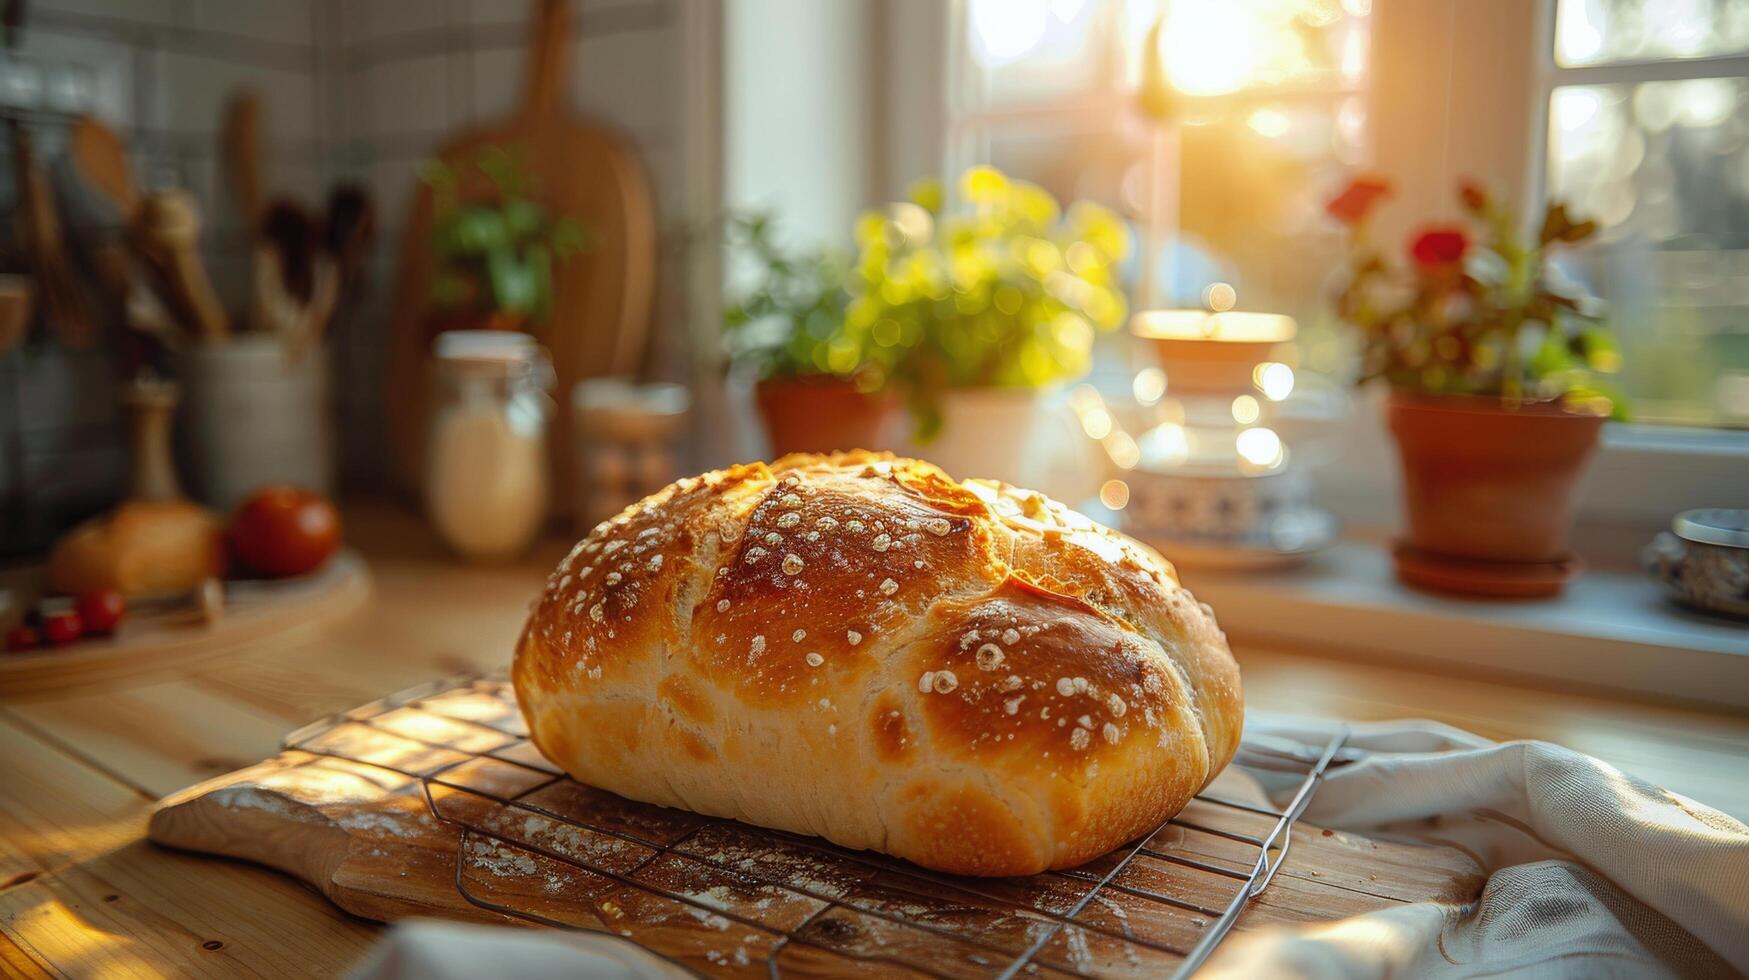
(601, 298)
(151, 403)
(306, 330)
(101, 159)
(434, 803)
(297, 281)
(17, 301)
(293, 237)
(242, 152)
(166, 233)
(347, 235)
(39, 229)
(109, 199)
(349, 230)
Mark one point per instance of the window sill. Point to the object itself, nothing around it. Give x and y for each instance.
(1610, 629)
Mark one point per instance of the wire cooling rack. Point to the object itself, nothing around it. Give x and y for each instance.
(836, 910)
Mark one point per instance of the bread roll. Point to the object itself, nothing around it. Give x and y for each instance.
(141, 548)
(966, 675)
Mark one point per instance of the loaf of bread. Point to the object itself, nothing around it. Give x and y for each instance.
(141, 548)
(966, 675)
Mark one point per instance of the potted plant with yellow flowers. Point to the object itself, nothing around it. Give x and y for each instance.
(819, 386)
(1498, 389)
(989, 308)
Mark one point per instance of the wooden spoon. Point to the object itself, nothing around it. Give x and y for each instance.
(167, 234)
(63, 301)
(101, 157)
(242, 149)
(101, 163)
(17, 302)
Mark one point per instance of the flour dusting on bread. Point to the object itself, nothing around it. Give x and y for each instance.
(975, 677)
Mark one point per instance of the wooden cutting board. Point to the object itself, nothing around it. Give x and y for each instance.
(601, 302)
(437, 805)
(258, 615)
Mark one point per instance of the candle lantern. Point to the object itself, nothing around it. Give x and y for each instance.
(1209, 479)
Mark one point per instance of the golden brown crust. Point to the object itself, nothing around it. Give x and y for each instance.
(966, 675)
(141, 548)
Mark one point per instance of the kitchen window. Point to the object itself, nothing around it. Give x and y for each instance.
(1648, 132)
(1635, 111)
(1266, 113)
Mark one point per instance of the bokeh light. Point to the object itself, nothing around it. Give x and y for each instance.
(1261, 447)
(1166, 444)
(1274, 379)
(1268, 123)
(1149, 386)
(1246, 410)
(1122, 449)
(1212, 47)
(1096, 423)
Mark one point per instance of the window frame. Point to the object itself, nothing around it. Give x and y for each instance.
(1644, 474)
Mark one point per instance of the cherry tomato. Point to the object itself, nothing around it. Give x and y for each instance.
(279, 531)
(22, 638)
(62, 627)
(101, 611)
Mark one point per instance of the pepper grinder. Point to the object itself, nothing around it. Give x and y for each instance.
(151, 403)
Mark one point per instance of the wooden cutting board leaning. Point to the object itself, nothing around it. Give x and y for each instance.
(601, 298)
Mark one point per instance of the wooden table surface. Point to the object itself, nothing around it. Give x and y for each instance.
(83, 894)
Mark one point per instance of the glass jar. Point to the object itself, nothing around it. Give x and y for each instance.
(488, 481)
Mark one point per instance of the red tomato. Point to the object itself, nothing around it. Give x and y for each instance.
(102, 610)
(22, 638)
(281, 531)
(62, 627)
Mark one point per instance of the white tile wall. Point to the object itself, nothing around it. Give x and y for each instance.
(352, 89)
(124, 11)
(407, 96)
(371, 20)
(391, 182)
(193, 89)
(630, 79)
(284, 21)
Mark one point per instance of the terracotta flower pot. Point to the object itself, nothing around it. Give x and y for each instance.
(1488, 491)
(822, 414)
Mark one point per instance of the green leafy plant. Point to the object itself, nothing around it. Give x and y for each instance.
(1477, 315)
(495, 255)
(1007, 292)
(790, 322)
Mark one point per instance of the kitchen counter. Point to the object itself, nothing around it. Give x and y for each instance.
(82, 893)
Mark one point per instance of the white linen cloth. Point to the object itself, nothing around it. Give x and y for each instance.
(1592, 874)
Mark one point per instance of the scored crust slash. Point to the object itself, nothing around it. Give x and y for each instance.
(967, 675)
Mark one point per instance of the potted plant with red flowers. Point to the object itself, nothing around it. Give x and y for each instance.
(1497, 372)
